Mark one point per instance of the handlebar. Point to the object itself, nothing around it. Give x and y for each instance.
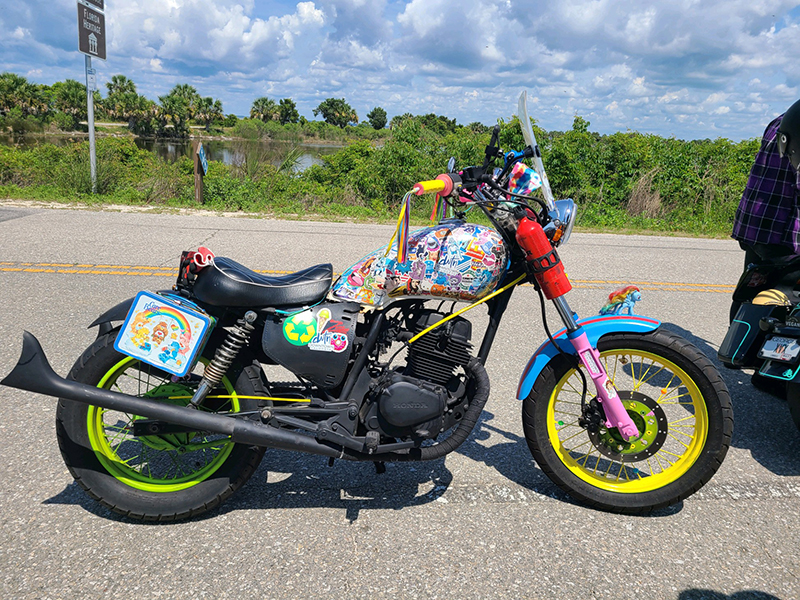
(429, 187)
(444, 184)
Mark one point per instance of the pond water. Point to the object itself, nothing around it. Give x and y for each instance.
(230, 152)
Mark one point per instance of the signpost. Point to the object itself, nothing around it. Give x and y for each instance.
(91, 42)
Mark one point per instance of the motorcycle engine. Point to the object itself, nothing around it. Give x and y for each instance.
(425, 397)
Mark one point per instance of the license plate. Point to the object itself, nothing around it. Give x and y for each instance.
(163, 333)
(780, 348)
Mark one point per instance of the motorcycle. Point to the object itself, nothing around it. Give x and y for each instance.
(166, 415)
(764, 331)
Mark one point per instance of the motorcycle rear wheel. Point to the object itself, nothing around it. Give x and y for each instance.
(156, 478)
(678, 401)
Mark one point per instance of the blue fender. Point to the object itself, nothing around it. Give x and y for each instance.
(595, 327)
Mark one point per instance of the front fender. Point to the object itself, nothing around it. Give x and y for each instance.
(595, 327)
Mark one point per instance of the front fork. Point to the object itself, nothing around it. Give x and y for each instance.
(607, 396)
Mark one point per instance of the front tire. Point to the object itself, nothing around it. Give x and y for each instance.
(162, 477)
(678, 401)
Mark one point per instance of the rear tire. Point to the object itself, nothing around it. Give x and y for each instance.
(678, 401)
(163, 477)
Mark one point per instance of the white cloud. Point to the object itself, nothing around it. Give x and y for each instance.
(688, 68)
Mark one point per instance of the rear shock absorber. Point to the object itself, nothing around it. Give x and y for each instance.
(238, 337)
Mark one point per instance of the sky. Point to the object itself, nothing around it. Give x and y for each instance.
(691, 69)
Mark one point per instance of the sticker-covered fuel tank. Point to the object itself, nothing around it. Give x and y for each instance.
(454, 259)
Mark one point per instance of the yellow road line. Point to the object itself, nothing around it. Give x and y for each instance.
(171, 272)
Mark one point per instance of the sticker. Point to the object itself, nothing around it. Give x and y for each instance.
(463, 263)
(301, 328)
(162, 334)
(332, 336)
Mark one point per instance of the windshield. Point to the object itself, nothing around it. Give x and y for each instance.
(530, 140)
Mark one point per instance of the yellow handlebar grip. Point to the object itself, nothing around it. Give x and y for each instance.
(433, 186)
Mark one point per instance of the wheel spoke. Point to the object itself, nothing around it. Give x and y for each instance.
(670, 434)
(664, 402)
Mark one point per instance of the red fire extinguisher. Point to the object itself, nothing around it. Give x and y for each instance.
(543, 259)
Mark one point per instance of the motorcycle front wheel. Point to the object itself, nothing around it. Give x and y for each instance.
(163, 477)
(678, 402)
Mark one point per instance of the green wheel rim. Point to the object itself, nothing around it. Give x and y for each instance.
(661, 380)
(168, 463)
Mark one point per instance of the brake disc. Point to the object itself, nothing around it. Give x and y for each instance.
(649, 419)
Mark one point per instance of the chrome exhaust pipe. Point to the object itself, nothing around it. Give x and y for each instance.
(33, 373)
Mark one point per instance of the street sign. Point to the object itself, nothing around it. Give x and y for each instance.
(91, 79)
(201, 154)
(91, 32)
(98, 4)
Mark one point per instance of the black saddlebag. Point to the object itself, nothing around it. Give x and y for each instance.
(745, 338)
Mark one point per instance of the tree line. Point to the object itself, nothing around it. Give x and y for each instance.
(25, 105)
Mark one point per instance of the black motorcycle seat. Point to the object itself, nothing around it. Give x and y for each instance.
(227, 283)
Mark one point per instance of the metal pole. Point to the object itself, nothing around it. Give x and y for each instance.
(90, 119)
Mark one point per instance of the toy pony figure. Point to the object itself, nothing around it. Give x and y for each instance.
(621, 299)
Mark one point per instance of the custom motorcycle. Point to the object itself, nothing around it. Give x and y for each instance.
(764, 333)
(167, 414)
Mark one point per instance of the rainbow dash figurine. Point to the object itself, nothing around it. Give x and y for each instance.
(621, 299)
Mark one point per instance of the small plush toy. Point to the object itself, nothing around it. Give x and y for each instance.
(620, 299)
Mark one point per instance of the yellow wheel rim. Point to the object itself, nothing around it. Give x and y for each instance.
(659, 379)
(167, 463)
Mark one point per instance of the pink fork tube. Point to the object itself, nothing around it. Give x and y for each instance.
(616, 415)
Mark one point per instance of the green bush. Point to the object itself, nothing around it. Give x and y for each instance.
(620, 181)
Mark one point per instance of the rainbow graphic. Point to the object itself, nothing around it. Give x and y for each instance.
(155, 310)
(163, 334)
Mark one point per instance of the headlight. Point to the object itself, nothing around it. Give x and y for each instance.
(562, 219)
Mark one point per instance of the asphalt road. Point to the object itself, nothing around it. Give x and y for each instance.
(483, 523)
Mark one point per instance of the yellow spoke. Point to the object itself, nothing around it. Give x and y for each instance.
(660, 466)
(653, 364)
(635, 377)
(642, 379)
(679, 441)
(672, 399)
(678, 428)
(560, 401)
(572, 436)
(669, 388)
(597, 463)
(671, 423)
(563, 412)
(585, 457)
(689, 435)
(671, 454)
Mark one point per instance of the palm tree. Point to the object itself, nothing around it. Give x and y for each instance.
(121, 85)
(174, 108)
(265, 109)
(70, 99)
(188, 93)
(18, 92)
(208, 111)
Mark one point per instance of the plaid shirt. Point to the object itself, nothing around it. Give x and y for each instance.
(768, 212)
